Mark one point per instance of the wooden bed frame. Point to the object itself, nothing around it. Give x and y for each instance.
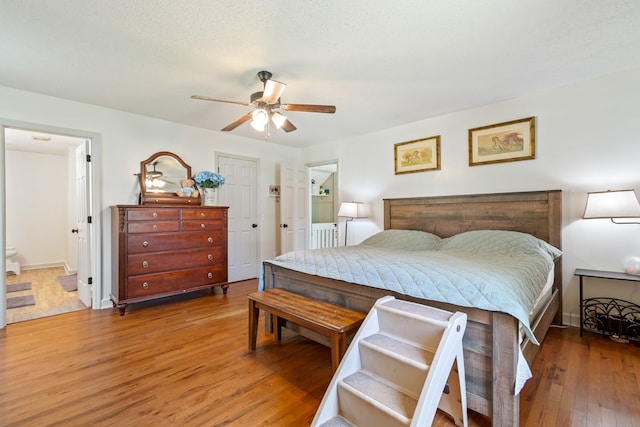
(491, 340)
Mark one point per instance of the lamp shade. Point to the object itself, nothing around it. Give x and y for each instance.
(352, 210)
(612, 204)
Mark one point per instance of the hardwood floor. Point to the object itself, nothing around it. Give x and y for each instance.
(50, 298)
(185, 362)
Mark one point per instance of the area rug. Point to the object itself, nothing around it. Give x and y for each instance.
(15, 302)
(69, 283)
(19, 287)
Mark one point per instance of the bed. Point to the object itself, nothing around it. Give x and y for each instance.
(493, 343)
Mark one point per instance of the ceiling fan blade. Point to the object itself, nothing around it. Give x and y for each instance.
(272, 91)
(309, 108)
(287, 126)
(237, 123)
(208, 98)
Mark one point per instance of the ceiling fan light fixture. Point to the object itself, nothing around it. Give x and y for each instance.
(272, 91)
(257, 126)
(278, 119)
(260, 116)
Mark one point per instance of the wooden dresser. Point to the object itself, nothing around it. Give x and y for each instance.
(160, 250)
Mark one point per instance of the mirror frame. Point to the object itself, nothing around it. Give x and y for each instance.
(163, 198)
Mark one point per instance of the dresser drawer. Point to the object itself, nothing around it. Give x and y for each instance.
(202, 214)
(201, 225)
(146, 214)
(154, 284)
(168, 261)
(145, 243)
(152, 226)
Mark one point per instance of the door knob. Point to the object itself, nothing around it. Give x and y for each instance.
(74, 230)
(254, 225)
(284, 225)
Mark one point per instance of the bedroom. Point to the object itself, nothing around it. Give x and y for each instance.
(585, 142)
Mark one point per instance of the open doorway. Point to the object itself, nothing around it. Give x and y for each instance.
(323, 192)
(41, 223)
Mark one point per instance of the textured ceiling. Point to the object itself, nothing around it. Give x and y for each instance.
(382, 63)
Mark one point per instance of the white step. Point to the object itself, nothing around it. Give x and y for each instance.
(404, 364)
(413, 322)
(337, 421)
(372, 402)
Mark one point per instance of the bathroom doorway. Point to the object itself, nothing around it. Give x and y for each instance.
(323, 193)
(46, 200)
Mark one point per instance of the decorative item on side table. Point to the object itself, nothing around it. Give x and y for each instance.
(208, 182)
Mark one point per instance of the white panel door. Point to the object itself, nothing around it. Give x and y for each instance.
(83, 207)
(239, 192)
(293, 208)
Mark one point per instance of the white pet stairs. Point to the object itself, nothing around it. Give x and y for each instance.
(403, 364)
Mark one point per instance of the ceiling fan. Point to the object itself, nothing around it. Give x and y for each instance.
(267, 107)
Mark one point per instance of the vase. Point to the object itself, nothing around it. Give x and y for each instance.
(208, 197)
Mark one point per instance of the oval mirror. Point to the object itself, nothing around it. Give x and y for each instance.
(160, 177)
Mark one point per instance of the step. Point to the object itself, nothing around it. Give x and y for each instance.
(366, 400)
(337, 421)
(390, 358)
(413, 322)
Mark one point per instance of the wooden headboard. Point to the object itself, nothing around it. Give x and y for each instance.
(538, 213)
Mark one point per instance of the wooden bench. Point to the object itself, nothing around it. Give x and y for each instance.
(326, 319)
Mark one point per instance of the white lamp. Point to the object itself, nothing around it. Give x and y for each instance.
(351, 210)
(615, 205)
(612, 205)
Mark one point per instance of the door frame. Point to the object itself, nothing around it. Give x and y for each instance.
(336, 192)
(95, 197)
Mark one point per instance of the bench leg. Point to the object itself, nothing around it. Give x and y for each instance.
(277, 323)
(254, 312)
(338, 348)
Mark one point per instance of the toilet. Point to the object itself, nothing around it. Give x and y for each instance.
(11, 264)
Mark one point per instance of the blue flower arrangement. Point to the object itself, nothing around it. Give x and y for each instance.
(206, 179)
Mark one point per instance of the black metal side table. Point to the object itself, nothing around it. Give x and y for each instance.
(617, 318)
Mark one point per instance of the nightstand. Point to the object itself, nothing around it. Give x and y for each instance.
(617, 318)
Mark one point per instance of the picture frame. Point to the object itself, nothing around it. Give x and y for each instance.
(503, 142)
(418, 155)
(274, 190)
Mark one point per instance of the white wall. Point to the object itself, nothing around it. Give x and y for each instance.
(587, 140)
(125, 139)
(37, 208)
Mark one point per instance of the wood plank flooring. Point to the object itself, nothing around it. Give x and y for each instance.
(49, 296)
(185, 362)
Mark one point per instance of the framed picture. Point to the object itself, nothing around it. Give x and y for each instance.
(418, 155)
(503, 142)
(274, 190)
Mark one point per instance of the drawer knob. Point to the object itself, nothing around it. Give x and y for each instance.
(210, 240)
(155, 214)
(210, 275)
(145, 264)
(155, 226)
(145, 285)
(202, 214)
(145, 243)
(209, 257)
(203, 226)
